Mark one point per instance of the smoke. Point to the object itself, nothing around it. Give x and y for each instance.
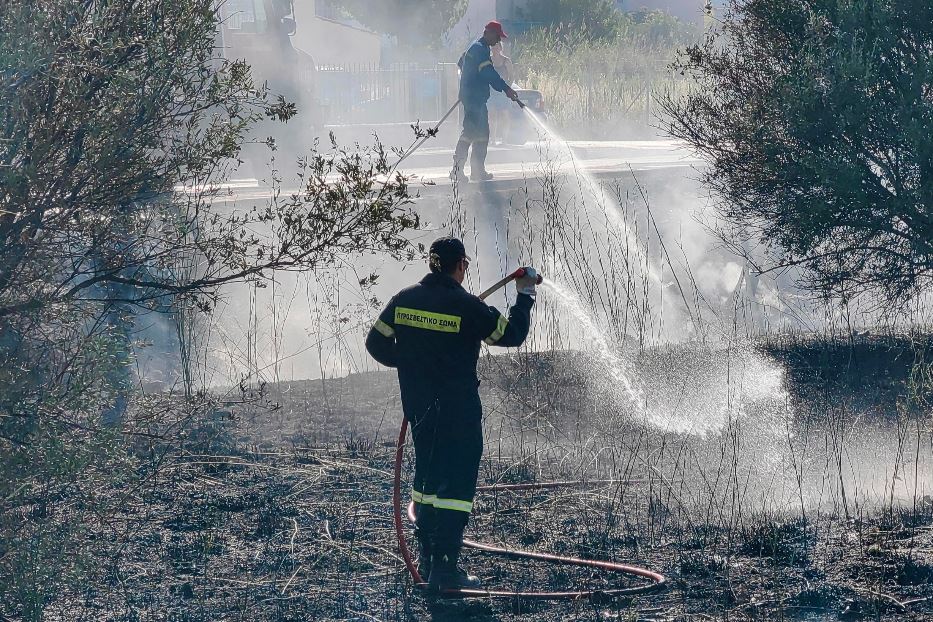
(502, 227)
(660, 318)
(624, 226)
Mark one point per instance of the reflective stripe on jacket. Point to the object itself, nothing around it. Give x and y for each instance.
(432, 332)
(477, 74)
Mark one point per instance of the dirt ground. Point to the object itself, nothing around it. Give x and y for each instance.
(286, 515)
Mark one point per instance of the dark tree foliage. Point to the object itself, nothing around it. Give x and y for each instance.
(599, 19)
(107, 108)
(118, 121)
(414, 22)
(816, 118)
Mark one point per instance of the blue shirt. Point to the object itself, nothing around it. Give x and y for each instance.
(477, 74)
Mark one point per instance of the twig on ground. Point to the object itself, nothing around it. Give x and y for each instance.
(290, 579)
(291, 540)
(883, 596)
(365, 615)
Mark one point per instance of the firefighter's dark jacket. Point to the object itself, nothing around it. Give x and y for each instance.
(477, 74)
(431, 332)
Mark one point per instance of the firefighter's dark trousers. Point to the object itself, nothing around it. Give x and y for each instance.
(448, 439)
(476, 133)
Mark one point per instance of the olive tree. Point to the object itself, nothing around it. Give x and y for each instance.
(815, 119)
(119, 121)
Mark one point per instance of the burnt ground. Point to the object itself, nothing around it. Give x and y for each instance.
(284, 514)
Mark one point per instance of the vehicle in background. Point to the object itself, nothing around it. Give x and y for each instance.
(522, 129)
(260, 32)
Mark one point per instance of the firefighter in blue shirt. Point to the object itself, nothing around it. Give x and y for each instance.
(431, 332)
(477, 75)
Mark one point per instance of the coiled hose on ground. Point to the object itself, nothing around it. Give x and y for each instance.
(657, 580)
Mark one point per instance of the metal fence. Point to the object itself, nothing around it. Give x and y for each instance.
(405, 93)
(369, 94)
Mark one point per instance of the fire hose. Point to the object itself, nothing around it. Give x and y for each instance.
(657, 580)
(433, 132)
(428, 134)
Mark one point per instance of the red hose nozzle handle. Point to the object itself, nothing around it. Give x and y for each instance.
(521, 272)
(504, 281)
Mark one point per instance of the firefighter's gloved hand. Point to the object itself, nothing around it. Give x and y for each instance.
(526, 284)
(511, 94)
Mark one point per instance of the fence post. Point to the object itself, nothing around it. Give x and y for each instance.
(439, 78)
(648, 104)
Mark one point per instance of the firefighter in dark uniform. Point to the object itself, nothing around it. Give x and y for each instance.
(431, 332)
(477, 74)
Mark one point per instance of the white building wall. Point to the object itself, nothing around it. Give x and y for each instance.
(333, 43)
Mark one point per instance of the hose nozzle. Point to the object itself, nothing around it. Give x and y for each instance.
(521, 272)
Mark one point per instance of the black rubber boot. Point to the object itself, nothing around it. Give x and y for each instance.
(446, 574)
(424, 559)
(425, 526)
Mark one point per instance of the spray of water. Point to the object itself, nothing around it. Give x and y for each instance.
(590, 188)
(616, 368)
(712, 385)
(755, 382)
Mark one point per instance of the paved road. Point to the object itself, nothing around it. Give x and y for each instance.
(512, 165)
(596, 157)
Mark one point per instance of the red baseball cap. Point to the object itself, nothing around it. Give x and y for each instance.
(497, 27)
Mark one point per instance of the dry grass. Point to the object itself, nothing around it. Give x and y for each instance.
(285, 515)
(808, 498)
